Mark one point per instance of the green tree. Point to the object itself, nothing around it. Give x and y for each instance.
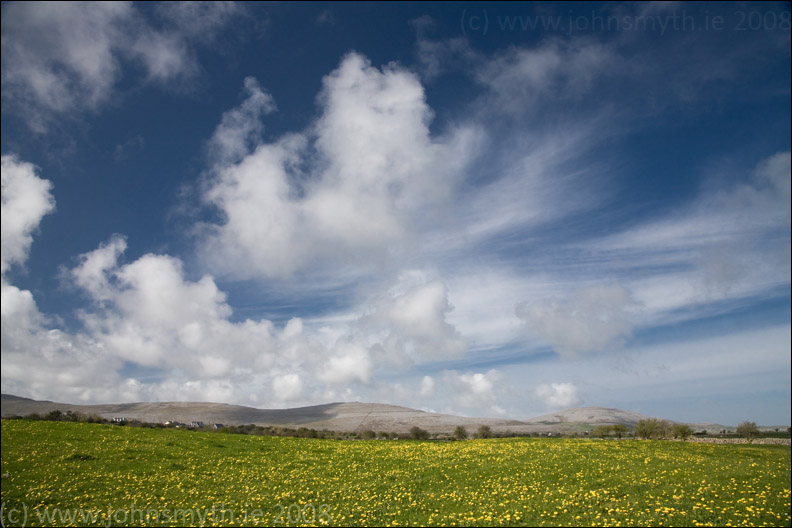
(460, 433)
(645, 428)
(601, 431)
(663, 429)
(748, 430)
(416, 433)
(652, 428)
(682, 431)
(620, 430)
(484, 431)
(367, 434)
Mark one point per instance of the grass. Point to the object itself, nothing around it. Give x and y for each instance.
(57, 473)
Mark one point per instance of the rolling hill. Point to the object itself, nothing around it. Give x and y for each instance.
(346, 416)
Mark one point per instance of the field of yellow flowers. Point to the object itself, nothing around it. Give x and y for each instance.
(57, 473)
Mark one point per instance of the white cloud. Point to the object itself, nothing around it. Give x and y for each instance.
(351, 188)
(62, 58)
(91, 273)
(521, 78)
(368, 186)
(441, 56)
(760, 202)
(349, 363)
(26, 198)
(287, 387)
(427, 387)
(56, 50)
(240, 128)
(199, 20)
(728, 244)
(35, 358)
(559, 395)
(474, 390)
(148, 315)
(412, 321)
(151, 315)
(592, 319)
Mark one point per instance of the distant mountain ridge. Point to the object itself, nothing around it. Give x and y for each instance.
(592, 416)
(346, 416)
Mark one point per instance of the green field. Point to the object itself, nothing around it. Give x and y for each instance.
(57, 473)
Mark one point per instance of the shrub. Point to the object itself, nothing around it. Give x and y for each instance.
(620, 430)
(460, 433)
(681, 431)
(601, 431)
(416, 433)
(652, 428)
(748, 430)
(484, 432)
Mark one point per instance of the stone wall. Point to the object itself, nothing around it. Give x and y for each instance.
(771, 441)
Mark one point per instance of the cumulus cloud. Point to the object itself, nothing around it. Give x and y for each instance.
(400, 328)
(60, 58)
(365, 185)
(147, 314)
(35, 357)
(559, 395)
(474, 390)
(26, 198)
(44, 362)
(91, 273)
(349, 188)
(151, 315)
(591, 319)
(411, 317)
(240, 128)
(427, 387)
(287, 387)
(349, 362)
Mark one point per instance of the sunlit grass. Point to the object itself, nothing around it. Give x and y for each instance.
(134, 476)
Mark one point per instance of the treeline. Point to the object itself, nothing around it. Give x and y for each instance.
(415, 433)
(663, 429)
(646, 429)
(70, 416)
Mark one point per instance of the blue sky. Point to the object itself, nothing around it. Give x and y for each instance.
(482, 209)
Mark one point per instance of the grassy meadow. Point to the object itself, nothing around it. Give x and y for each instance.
(58, 473)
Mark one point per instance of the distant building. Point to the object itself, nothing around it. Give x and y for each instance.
(218, 426)
(196, 424)
(117, 419)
